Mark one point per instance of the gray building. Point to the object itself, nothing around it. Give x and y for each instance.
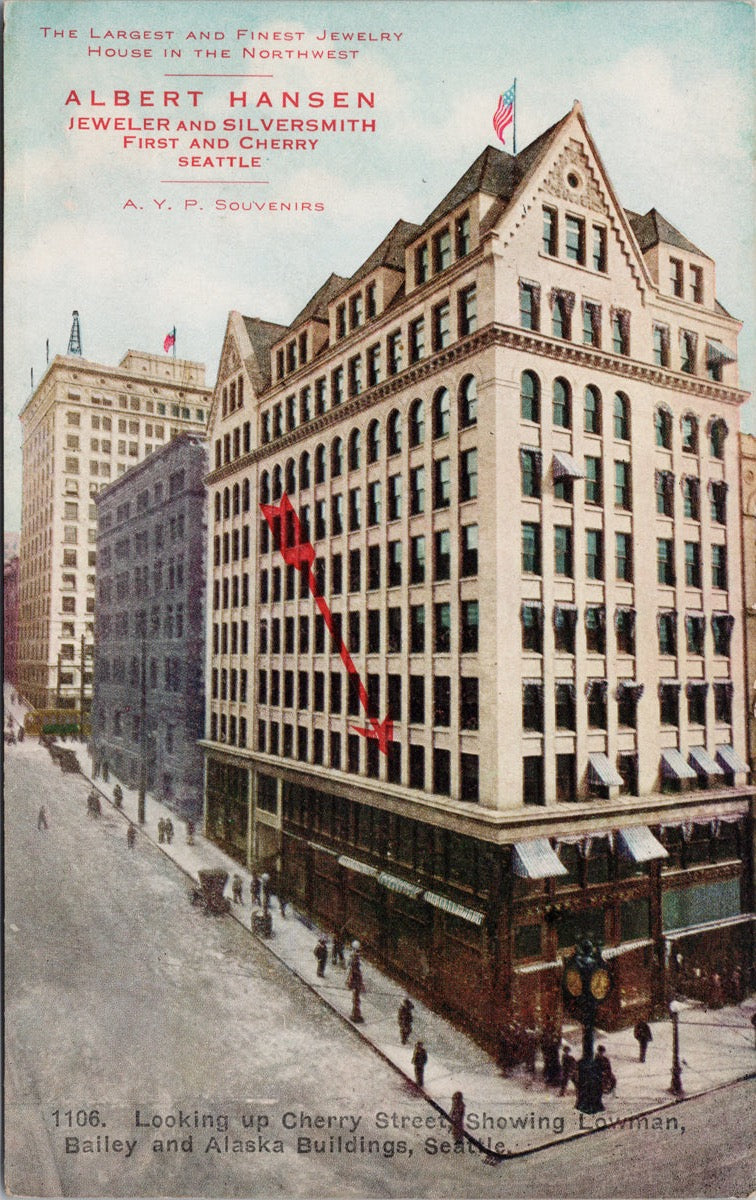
(149, 624)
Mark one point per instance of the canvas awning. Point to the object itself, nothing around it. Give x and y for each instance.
(395, 884)
(675, 766)
(565, 466)
(360, 867)
(536, 860)
(603, 771)
(717, 353)
(451, 906)
(731, 760)
(703, 762)
(639, 844)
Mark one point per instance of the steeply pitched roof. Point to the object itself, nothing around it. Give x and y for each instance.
(317, 308)
(390, 253)
(652, 228)
(262, 335)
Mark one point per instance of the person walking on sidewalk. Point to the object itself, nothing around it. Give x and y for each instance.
(608, 1078)
(189, 832)
(569, 1069)
(643, 1035)
(130, 837)
(161, 830)
(42, 818)
(255, 887)
(168, 830)
(404, 1017)
(117, 792)
(419, 1059)
(236, 889)
(321, 954)
(355, 983)
(457, 1118)
(337, 947)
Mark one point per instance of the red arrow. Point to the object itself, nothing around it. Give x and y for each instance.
(301, 554)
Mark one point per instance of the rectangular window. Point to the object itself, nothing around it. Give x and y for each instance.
(355, 571)
(532, 707)
(622, 492)
(599, 248)
(575, 239)
(661, 346)
(416, 700)
(355, 508)
(550, 231)
(417, 628)
(624, 624)
(394, 564)
(665, 563)
(417, 339)
(565, 706)
(692, 565)
(374, 365)
(442, 483)
(469, 626)
(442, 555)
(591, 324)
(529, 315)
(624, 556)
(468, 563)
(394, 352)
(417, 490)
(676, 276)
(621, 333)
(467, 311)
(417, 559)
(337, 386)
(374, 568)
(468, 475)
(595, 630)
(355, 375)
(441, 326)
(442, 251)
(563, 550)
(422, 263)
(669, 703)
(441, 701)
(374, 503)
(531, 617)
(442, 772)
(594, 554)
(394, 497)
(696, 285)
(719, 567)
(667, 629)
(442, 628)
(531, 548)
(593, 489)
(462, 233)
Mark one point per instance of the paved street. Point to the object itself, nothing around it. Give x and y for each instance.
(122, 997)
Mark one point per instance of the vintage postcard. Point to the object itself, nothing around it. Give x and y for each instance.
(379, 599)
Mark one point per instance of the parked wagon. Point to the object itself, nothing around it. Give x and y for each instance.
(210, 891)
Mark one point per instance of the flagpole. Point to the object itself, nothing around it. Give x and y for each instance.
(174, 341)
(514, 119)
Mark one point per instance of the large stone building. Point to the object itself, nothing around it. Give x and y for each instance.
(10, 619)
(149, 696)
(477, 661)
(83, 426)
(748, 494)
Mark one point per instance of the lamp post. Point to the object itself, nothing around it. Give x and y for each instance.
(675, 1087)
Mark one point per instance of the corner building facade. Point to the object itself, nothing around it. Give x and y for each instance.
(508, 438)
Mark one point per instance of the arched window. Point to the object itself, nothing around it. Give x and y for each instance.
(717, 436)
(468, 402)
(304, 470)
(621, 417)
(265, 488)
(562, 405)
(394, 432)
(277, 488)
(217, 506)
(320, 463)
(291, 477)
(663, 427)
(245, 495)
(226, 503)
(592, 402)
(236, 500)
(441, 413)
(355, 450)
(417, 423)
(374, 441)
(689, 429)
(337, 457)
(530, 397)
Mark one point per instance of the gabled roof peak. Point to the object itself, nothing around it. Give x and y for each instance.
(651, 228)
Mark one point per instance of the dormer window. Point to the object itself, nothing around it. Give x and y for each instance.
(422, 263)
(676, 276)
(462, 234)
(291, 356)
(696, 285)
(371, 298)
(341, 326)
(279, 364)
(355, 311)
(303, 347)
(442, 251)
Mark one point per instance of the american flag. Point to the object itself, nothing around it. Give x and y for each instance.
(504, 114)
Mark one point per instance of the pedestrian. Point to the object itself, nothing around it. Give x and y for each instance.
(457, 1118)
(236, 889)
(753, 1025)
(255, 887)
(419, 1059)
(608, 1078)
(550, 1041)
(337, 947)
(189, 832)
(569, 1069)
(282, 901)
(42, 818)
(355, 983)
(643, 1035)
(117, 792)
(130, 837)
(321, 954)
(168, 830)
(105, 774)
(736, 978)
(404, 1017)
(161, 830)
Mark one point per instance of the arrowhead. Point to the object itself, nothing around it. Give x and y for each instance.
(381, 731)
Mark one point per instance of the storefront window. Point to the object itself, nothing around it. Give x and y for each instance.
(704, 902)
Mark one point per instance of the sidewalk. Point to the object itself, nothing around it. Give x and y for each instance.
(514, 1114)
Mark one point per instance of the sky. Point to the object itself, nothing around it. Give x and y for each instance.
(666, 87)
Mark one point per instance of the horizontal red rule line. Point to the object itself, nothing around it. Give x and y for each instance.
(221, 182)
(210, 75)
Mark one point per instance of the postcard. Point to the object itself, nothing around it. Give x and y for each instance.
(379, 580)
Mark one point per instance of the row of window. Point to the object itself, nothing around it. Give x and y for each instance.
(115, 671)
(628, 695)
(565, 620)
(137, 583)
(574, 241)
(166, 623)
(533, 792)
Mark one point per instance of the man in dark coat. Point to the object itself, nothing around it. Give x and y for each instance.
(337, 947)
(457, 1118)
(643, 1035)
(321, 954)
(130, 837)
(608, 1078)
(404, 1017)
(569, 1069)
(419, 1059)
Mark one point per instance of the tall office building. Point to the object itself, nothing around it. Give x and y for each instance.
(476, 627)
(83, 426)
(748, 495)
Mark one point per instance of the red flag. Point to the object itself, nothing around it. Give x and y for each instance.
(170, 340)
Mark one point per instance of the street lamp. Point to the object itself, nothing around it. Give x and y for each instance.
(675, 1087)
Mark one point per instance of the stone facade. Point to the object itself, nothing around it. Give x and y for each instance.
(478, 687)
(748, 494)
(10, 620)
(148, 709)
(84, 425)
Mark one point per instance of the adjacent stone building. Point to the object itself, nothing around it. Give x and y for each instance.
(84, 425)
(10, 619)
(476, 633)
(748, 495)
(149, 697)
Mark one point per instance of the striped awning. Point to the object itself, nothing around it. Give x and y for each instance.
(731, 760)
(395, 884)
(639, 844)
(360, 867)
(565, 466)
(451, 906)
(536, 860)
(603, 772)
(703, 762)
(716, 352)
(674, 765)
